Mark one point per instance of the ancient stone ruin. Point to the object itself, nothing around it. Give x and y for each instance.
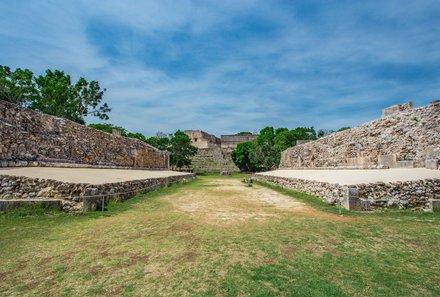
(403, 137)
(214, 154)
(405, 141)
(29, 138)
(33, 139)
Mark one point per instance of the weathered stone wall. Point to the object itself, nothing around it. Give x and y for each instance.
(405, 138)
(409, 194)
(201, 139)
(29, 138)
(78, 196)
(213, 160)
(231, 141)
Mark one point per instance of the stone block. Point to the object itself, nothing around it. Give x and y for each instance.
(434, 204)
(396, 108)
(431, 164)
(351, 199)
(92, 203)
(389, 161)
(405, 164)
(299, 142)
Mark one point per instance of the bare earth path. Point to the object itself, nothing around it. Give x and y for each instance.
(229, 201)
(217, 237)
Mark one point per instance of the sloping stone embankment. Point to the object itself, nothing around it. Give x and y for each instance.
(29, 138)
(407, 138)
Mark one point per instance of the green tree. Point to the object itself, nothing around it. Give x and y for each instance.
(17, 86)
(181, 150)
(108, 128)
(324, 132)
(283, 140)
(138, 136)
(304, 133)
(161, 142)
(59, 97)
(241, 156)
(263, 155)
(244, 133)
(343, 128)
(53, 93)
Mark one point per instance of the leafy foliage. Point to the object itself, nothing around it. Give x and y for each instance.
(244, 133)
(181, 150)
(17, 86)
(160, 142)
(53, 93)
(109, 128)
(265, 153)
(241, 156)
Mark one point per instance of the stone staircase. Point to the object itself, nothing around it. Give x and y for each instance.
(213, 160)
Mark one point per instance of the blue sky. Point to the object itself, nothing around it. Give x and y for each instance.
(229, 66)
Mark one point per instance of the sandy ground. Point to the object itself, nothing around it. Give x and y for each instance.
(358, 176)
(228, 201)
(86, 175)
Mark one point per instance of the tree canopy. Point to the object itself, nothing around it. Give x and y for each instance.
(109, 128)
(265, 152)
(241, 157)
(181, 150)
(53, 93)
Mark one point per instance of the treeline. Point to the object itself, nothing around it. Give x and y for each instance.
(53, 93)
(264, 153)
(177, 144)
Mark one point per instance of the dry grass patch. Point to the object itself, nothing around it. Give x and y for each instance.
(216, 237)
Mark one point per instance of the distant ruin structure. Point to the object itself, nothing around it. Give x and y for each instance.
(202, 140)
(214, 154)
(231, 141)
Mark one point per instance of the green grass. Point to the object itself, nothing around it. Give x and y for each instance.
(156, 244)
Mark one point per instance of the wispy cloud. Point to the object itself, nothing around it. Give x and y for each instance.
(227, 66)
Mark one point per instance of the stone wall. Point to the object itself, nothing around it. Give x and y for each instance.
(29, 138)
(201, 139)
(404, 137)
(76, 196)
(231, 141)
(409, 194)
(213, 160)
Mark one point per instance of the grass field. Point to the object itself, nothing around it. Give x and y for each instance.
(215, 236)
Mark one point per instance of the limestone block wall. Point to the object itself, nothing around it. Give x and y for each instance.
(406, 138)
(78, 196)
(408, 194)
(213, 160)
(201, 139)
(29, 138)
(231, 141)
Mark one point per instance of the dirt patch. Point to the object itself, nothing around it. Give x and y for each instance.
(136, 258)
(228, 201)
(288, 250)
(187, 257)
(181, 228)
